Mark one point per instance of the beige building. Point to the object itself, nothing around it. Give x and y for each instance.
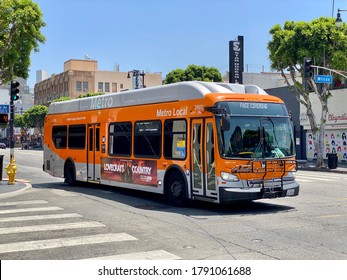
(83, 76)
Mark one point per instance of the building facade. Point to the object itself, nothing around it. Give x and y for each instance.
(83, 76)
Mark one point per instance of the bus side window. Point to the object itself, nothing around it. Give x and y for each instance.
(120, 139)
(175, 135)
(59, 136)
(147, 139)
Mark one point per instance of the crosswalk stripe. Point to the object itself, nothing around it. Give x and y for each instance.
(64, 242)
(37, 209)
(315, 179)
(149, 255)
(39, 217)
(14, 203)
(304, 180)
(38, 228)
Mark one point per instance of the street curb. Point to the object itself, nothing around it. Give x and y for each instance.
(324, 169)
(26, 186)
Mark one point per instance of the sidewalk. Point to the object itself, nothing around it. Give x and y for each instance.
(311, 166)
(12, 190)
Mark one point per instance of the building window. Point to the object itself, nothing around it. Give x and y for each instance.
(78, 86)
(147, 139)
(114, 87)
(100, 86)
(121, 86)
(85, 86)
(107, 87)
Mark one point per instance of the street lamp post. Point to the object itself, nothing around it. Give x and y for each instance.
(137, 74)
(338, 21)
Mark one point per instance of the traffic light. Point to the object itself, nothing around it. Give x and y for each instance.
(3, 118)
(308, 69)
(14, 91)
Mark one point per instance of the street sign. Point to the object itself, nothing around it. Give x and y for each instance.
(323, 79)
(4, 108)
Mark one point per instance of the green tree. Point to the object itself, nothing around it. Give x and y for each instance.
(194, 73)
(326, 45)
(20, 24)
(19, 122)
(63, 98)
(89, 94)
(35, 117)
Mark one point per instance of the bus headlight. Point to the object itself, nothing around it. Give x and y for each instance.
(229, 177)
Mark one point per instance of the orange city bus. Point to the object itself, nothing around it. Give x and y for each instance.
(216, 142)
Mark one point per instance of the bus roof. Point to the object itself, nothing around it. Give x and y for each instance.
(165, 93)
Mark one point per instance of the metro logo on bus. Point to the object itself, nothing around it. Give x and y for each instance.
(101, 102)
(174, 112)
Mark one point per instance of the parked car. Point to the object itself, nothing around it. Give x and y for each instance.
(2, 146)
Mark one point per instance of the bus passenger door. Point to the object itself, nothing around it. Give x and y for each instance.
(202, 158)
(93, 152)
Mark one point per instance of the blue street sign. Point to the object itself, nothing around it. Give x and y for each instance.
(4, 108)
(323, 79)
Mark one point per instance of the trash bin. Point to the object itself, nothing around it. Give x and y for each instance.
(1, 165)
(332, 161)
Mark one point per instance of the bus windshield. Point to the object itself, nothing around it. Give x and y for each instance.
(256, 137)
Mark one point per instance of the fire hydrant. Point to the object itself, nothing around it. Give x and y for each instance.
(11, 171)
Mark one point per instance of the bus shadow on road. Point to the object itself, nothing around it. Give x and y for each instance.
(156, 202)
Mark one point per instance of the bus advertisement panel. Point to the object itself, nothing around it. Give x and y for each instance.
(141, 172)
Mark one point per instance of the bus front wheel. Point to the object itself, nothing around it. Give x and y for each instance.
(176, 190)
(70, 174)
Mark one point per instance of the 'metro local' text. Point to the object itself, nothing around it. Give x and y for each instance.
(172, 112)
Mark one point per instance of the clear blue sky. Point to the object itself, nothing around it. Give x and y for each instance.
(162, 35)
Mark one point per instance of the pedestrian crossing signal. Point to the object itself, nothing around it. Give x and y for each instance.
(3, 118)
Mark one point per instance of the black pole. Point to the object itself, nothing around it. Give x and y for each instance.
(11, 126)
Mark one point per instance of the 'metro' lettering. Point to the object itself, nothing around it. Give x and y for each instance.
(101, 102)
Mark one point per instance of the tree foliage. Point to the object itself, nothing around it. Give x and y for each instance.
(321, 41)
(194, 73)
(89, 94)
(35, 117)
(19, 122)
(20, 24)
(60, 99)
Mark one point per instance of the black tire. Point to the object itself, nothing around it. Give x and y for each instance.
(176, 190)
(70, 174)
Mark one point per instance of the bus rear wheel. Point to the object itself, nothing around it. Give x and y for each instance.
(176, 190)
(70, 174)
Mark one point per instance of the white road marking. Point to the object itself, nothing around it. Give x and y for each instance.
(149, 255)
(39, 217)
(14, 203)
(10, 230)
(37, 209)
(64, 242)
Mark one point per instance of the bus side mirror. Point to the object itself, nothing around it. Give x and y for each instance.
(225, 123)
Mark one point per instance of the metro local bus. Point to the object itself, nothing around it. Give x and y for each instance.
(216, 142)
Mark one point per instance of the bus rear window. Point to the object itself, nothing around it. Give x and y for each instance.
(59, 136)
(77, 136)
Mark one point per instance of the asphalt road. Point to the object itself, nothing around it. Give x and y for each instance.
(54, 221)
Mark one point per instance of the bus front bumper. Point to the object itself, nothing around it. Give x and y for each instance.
(227, 194)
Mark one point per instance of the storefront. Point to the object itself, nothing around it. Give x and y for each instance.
(335, 137)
